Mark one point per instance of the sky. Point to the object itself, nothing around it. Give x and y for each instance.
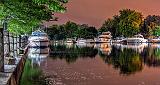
(95, 12)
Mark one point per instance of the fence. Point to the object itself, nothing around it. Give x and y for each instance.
(10, 47)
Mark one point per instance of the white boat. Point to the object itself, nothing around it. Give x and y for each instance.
(154, 40)
(70, 40)
(81, 41)
(105, 37)
(118, 40)
(135, 39)
(38, 39)
(90, 41)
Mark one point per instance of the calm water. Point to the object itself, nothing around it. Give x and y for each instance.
(90, 64)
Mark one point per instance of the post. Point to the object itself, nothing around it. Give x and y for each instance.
(2, 49)
(8, 43)
(20, 42)
(11, 45)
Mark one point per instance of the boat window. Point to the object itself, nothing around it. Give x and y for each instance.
(39, 35)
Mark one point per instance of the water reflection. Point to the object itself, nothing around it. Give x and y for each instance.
(128, 59)
(32, 74)
(83, 64)
(72, 53)
(104, 48)
(152, 55)
(38, 55)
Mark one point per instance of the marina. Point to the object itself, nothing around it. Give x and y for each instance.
(79, 42)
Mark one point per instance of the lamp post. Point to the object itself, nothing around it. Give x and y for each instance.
(2, 46)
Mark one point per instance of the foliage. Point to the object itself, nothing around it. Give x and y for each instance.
(156, 31)
(71, 30)
(24, 15)
(150, 24)
(31, 75)
(71, 54)
(127, 60)
(127, 23)
(112, 26)
(130, 22)
(107, 25)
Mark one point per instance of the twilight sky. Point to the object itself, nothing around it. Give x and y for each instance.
(94, 12)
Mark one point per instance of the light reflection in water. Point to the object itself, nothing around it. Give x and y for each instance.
(129, 59)
(38, 55)
(103, 62)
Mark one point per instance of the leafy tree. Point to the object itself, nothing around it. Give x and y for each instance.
(127, 23)
(72, 30)
(24, 15)
(107, 25)
(130, 22)
(156, 31)
(150, 24)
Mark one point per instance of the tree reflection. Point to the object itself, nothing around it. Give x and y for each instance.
(127, 60)
(152, 56)
(73, 53)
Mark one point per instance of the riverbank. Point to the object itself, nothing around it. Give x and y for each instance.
(12, 73)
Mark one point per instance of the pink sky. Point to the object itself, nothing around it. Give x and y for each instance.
(95, 12)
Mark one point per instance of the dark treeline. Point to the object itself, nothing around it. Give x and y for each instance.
(73, 53)
(72, 30)
(127, 23)
(130, 22)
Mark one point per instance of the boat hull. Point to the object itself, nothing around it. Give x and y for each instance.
(38, 44)
(134, 40)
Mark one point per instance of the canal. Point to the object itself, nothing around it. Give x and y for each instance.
(93, 64)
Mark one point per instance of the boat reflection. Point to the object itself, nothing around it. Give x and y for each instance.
(138, 47)
(104, 48)
(128, 59)
(72, 53)
(38, 55)
(81, 45)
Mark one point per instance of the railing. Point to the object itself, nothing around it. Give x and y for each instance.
(10, 48)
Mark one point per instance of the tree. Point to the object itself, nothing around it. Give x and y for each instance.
(150, 24)
(127, 23)
(130, 22)
(24, 15)
(107, 25)
(70, 28)
(156, 31)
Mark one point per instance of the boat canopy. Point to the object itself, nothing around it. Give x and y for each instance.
(139, 36)
(38, 34)
(106, 33)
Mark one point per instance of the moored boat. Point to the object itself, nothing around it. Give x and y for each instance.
(38, 39)
(70, 40)
(105, 37)
(135, 39)
(81, 41)
(154, 40)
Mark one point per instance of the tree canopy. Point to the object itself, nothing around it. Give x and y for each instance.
(72, 30)
(24, 15)
(127, 23)
(151, 22)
